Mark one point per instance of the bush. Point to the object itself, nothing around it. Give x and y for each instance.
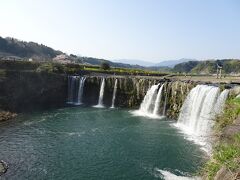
(105, 66)
(51, 68)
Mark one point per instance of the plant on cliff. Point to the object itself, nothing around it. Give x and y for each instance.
(51, 68)
(226, 154)
(232, 111)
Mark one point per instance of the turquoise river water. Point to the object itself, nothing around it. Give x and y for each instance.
(91, 143)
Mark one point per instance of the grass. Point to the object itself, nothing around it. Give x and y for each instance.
(124, 71)
(52, 67)
(231, 112)
(227, 152)
(225, 155)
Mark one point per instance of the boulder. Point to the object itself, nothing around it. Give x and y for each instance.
(3, 167)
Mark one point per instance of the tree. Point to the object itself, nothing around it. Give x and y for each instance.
(105, 66)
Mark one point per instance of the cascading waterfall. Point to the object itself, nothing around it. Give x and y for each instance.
(221, 101)
(149, 99)
(114, 93)
(151, 102)
(69, 99)
(101, 93)
(75, 89)
(197, 114)
(72, 80)
(80, 90)
(158, 101)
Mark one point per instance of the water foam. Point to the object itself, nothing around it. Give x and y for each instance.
(167, 175)
(197, 114)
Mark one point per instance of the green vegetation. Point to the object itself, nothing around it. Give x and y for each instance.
(14, 49)
(208, 67)
(185, 67)
(226, 154)
(232, 111)
(124, 71)
(22, 49)
(105, 66)
(52, 67)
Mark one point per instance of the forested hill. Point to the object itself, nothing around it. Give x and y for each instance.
(22, 49)
(208, 66)
(14, 49)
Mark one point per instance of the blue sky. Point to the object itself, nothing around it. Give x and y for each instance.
(151, 30)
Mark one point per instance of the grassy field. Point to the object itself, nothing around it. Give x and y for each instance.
(51, 67)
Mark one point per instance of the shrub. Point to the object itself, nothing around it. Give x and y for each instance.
(51, 68)
(105, 66)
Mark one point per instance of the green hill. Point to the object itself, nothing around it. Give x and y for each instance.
(14, 49)
(208, 66)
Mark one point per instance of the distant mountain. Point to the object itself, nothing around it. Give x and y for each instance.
(95, 61)
(135, 62)
(172, 63)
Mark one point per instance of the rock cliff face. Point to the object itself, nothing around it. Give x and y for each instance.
(24, 91)
(131, 91)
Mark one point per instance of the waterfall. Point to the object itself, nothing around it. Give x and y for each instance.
(199, 109)
(148, 101)
(158, 101)
(114, 93)
(71, 89)
(75, 89)
(80, 90)
(151, 103)
(221, 101)
(69, 99)
(101, 93)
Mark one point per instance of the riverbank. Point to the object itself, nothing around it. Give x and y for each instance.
(224, 163)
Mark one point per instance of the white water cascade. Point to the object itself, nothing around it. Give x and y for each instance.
(69, 99)
(114, 93)
(72, 81)
(101, 93)
(80, 90)
(75, 89)
(221, 101)
(158, 101)
(197, 114)
(151, 103)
